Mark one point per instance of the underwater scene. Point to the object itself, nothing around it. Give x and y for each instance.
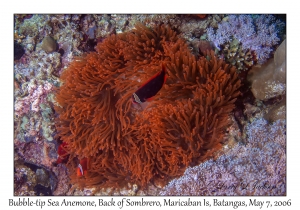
(173, 104)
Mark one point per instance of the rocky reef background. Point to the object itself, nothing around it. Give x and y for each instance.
(254, 156)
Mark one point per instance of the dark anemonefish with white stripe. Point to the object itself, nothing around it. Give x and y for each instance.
(150, 88)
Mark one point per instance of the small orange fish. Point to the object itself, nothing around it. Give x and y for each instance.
(150, 88)
(82, 168)
(62, 153)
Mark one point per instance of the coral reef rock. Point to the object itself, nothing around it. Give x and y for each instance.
(32, 179)
(269, 80)
(18, 51)
(276, 112)
(49, 44)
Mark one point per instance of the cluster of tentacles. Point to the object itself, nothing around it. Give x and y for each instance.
(183, 126)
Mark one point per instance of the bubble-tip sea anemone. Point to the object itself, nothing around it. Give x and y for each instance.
(182, 126)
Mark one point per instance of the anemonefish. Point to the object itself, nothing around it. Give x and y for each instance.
(150, 88)
(82, 167)
(62, 153)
